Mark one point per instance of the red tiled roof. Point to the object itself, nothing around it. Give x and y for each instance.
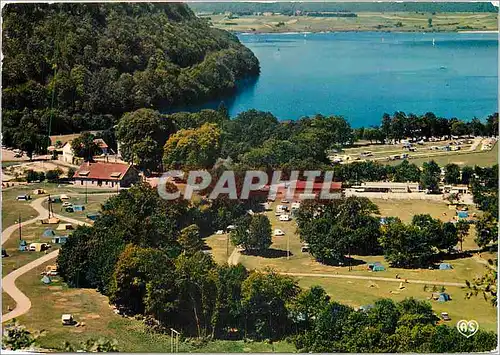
(101, 171)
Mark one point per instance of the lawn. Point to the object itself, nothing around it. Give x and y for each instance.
(50, 302)
(357, 293)
(92, 204)
(480, 158)
(11, 208)
(219, 246)
(31, 233)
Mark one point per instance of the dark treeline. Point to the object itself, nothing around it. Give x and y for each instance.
(82, 66)
(145, 255)
(401, 125)
(289, 8)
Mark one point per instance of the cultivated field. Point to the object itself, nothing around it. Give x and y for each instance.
(365, 21)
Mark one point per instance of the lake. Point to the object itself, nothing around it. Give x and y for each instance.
(363, 75)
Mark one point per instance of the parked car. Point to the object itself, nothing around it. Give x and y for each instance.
(285, 218)
(445, 316)
(278, 233)
(67, 204)
(23, 197)
(219, 232)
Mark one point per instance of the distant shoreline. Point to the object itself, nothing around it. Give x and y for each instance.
(257, 32)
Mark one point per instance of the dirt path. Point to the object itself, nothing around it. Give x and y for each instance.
(23, 303)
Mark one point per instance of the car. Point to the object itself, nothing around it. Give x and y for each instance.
(278, 233)
(67, 204)
(219, 232)
(284, 201)
(445, 316)
(285, 218)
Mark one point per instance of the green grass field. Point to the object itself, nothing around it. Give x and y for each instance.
(365, 21)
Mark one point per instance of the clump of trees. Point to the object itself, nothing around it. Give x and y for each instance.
(337, 228)
(416, 245)
(253, 233)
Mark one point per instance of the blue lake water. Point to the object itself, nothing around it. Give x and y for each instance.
(363, 75)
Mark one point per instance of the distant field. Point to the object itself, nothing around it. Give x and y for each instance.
(365, 21)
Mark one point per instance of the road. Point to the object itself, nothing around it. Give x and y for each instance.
(23, 303)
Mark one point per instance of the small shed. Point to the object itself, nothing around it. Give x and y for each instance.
(64, 226)
(46, 279)
(445, 266)
(78, 208)
(49, 233)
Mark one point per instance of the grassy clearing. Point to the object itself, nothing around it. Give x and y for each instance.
(480, 158)
(219, 247)
(11, 208)
(50, 302)
(365, 21)
(94, 202)
(357, 293)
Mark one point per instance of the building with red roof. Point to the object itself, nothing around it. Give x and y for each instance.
(106, 174)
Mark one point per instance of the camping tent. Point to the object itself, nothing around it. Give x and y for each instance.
(60, 240)
(444, 297)
(93, 216)
(64, 226)
(378, 267)
(78, 208)
(46, 280)
(48, 233)
(462, 214)
(445, 266)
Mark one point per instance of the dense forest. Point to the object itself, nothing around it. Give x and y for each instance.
(82, 66)
(247, 8)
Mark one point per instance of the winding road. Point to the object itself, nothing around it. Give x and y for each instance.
(23, 303)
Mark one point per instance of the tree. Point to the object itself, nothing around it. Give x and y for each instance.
(337, 228)
(430, 176)
(307, 306)
(253, 234)
(16, 337)
(491, 127)
(462, 231)
(71, 173)
(486, 284)
(451, 174)
(193, 148)
(486, 230)
(141, 135)
(467, 174)
(459, 128)
(53, 175)
(405, 245)
(190, 240)
(196, 281)
(93, 346)
(84, 146)
(265, 302)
